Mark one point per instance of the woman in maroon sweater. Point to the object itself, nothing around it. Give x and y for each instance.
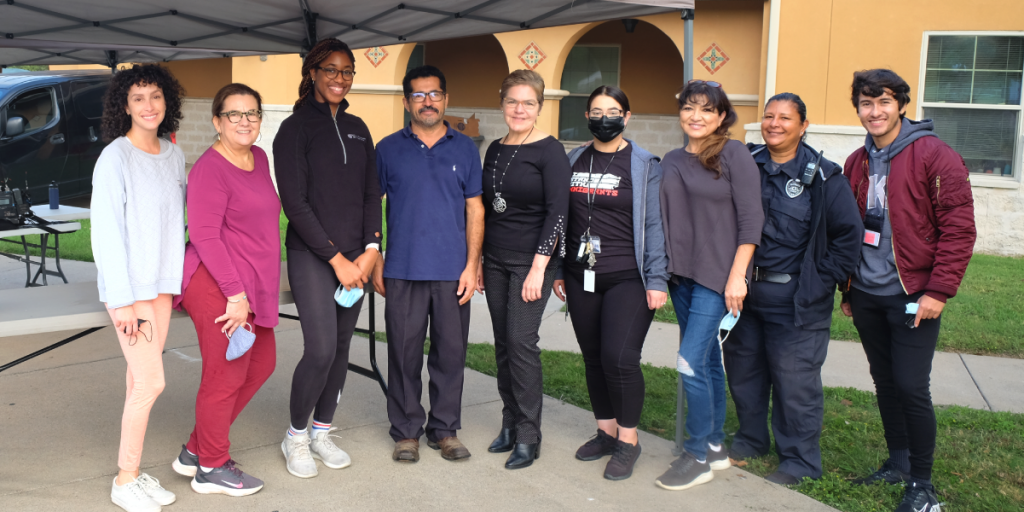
(712, 215)
(231, 281)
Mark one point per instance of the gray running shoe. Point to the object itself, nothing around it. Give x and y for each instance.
(226, 479)
(154, 490)
(684, 473)
(719, 460)
(323, 448)
(186, 464)
(132, 497)
(298, 460)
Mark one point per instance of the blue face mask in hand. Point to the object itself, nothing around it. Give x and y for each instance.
(728, 322)
(346, 298)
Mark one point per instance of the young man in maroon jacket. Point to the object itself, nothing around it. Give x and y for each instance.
(914, 195)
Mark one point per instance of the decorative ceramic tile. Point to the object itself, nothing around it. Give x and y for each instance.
(376, 55)
(532, 56)
(713, 58)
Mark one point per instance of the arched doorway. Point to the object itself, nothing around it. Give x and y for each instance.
(645, 63)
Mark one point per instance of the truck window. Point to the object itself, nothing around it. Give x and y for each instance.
(36, 106)
(88, 97)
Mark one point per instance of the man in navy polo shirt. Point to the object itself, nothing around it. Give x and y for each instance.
(431, 177)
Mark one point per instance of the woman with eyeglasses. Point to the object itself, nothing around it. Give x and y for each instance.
(810, 241)
(230, 286)
(711, 210)
(526, 197)
(615, 275)
(326, 172)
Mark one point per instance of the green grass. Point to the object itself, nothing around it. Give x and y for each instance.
(986, 317)
(979, 458)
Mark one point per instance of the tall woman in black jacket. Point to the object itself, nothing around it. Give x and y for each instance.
(526, 197)
(810, 241)
(327, 177)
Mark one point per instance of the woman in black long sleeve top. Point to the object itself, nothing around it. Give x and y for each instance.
(327, 176)
(526, 195)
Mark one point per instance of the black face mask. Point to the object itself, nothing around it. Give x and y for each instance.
(605, 129)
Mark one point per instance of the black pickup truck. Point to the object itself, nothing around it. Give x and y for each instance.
(50, 130)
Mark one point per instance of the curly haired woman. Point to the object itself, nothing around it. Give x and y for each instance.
(327, 176)
(138, 241)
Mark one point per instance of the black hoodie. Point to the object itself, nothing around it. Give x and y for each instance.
(326, 172)
(834, 248)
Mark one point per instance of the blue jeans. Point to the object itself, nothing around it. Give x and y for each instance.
(699, 312)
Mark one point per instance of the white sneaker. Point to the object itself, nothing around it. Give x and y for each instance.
(132, 497)
(296, 453)
(152, 487)
(324, 449)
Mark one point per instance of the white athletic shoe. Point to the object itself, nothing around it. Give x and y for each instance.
(323, 448)
(132, 497)
(152, 487)
(298, 459)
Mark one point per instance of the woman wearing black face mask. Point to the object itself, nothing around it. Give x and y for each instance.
(615, 274)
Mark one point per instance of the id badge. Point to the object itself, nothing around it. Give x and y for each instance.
(588, 281)
(872, 238)
(596, 242)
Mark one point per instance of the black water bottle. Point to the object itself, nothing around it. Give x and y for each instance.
(54, 196)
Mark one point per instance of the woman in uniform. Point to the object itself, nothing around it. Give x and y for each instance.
(810, 242)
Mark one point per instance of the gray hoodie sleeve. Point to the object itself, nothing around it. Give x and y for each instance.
(108, 229)
(655, 257)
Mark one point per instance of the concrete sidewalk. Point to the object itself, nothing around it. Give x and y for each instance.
(62, 416)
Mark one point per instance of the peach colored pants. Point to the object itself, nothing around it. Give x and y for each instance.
(145, 376)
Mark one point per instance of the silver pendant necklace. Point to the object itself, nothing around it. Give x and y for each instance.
(499, 204)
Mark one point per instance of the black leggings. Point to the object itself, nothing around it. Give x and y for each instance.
(611, 324)
(326, 335)
(901, 365)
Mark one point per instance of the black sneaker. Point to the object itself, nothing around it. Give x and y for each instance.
(226, 479)
(783, 478)
(886, 473)
(685, 472)
(719, 460)
(919, 498)
(600, 445)
(620, 467)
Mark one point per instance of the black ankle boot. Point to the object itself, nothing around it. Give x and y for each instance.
(504, 442)
(523, 455)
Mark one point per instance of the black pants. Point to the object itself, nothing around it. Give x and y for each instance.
(326, 336)
(409, 306)
(516, 324)
(611, 324)
(901, 365)
(767, 355)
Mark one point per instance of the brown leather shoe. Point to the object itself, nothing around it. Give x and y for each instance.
(451, 448)
(407, 450)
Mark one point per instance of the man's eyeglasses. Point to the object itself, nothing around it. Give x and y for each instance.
(706, 82)
(420, 97)
(331, 73)
(612, 113)
(254, 116)
(511, 104)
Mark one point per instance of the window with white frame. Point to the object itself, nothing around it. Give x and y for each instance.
(972, 90)
(586, 68)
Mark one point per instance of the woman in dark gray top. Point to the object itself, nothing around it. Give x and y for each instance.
(711, 210)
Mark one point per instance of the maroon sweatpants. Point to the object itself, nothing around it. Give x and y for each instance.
(227, 386)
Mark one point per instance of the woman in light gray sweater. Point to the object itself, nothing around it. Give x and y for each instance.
(138, 242)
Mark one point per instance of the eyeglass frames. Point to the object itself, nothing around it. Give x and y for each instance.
(254, 116)
(706, 82)
(420, 97)
(331, 73)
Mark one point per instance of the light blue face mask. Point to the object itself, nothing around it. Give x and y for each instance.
(346, 298)
(728, 322)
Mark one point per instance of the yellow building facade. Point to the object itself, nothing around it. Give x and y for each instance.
(964, 66)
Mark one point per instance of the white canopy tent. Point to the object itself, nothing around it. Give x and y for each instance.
(108, 32)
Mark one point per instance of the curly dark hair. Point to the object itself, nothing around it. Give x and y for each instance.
(873, 83)
(117, 122)
(316, 55)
